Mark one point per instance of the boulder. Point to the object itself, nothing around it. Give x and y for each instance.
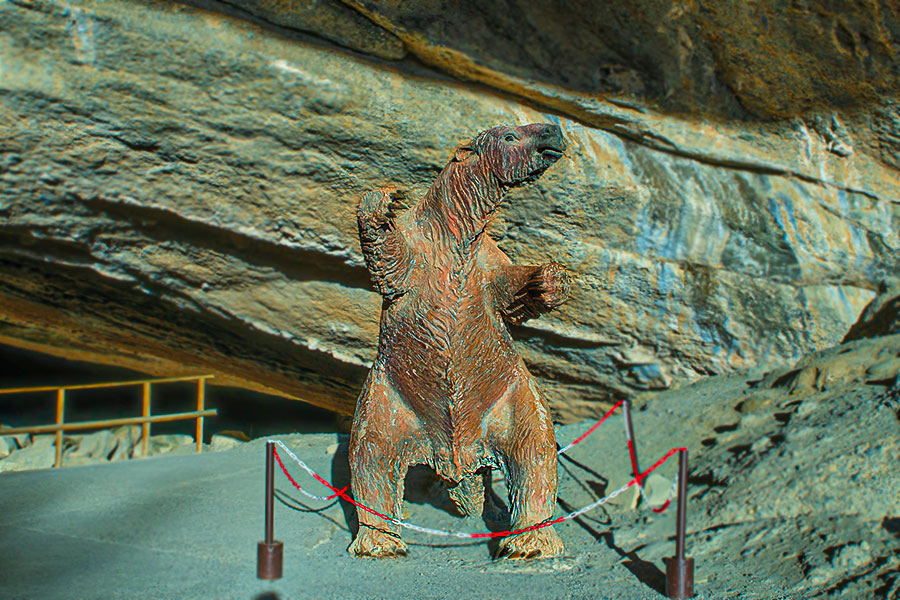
(224, 442)
(7, 445)
(18, 440)
(163, 444)
(881, 316)
(98, 446)
(127, 440)
(41, 454)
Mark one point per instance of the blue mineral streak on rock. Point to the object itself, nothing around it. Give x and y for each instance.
(773, 209)
(666, 280)
(644, 239)
(618, 145)
(844, 300)
(789, 209)
(842, 201)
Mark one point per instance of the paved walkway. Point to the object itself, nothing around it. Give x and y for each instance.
(187, 526)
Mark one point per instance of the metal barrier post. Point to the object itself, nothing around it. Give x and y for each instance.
(145, 412)
(201, 398)
(60, 418)
(679, 568)
(632, 446)
(270, 552)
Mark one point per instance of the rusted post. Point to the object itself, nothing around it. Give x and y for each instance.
(679, 568)
(60, 418)
(269, 552)
(145, 412)
(201, 398)
(632, 446)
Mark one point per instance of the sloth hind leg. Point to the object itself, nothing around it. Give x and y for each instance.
(381, 443)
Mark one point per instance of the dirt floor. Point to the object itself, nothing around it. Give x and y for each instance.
(793, 494)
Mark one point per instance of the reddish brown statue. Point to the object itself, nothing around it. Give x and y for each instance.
(447, 388)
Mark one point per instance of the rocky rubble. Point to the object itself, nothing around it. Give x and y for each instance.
(792, 482)
(25, 451)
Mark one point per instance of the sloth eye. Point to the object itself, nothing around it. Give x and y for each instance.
(509, 138)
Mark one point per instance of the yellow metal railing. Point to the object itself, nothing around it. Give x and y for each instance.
(144, 420)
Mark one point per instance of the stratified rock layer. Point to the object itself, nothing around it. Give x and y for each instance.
(179, 190)
(766, 59)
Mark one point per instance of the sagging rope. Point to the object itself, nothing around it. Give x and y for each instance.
(637, 480)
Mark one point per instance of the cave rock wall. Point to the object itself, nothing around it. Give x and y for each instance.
(178, 184)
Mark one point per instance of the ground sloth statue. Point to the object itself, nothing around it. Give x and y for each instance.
(447, 388)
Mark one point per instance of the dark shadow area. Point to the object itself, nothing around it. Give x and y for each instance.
(595, 488)
(552, 338)
(422, 486)
(891, 525)
(340, 477)
(645, 571)
(240, 411)
(568, 459)
(296, 504)
(267, 596)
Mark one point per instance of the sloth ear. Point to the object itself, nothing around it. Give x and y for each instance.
(462, 153)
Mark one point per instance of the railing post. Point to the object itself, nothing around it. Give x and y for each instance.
(632, 446)
(145, 412)
(679, 568)
(201, 399)
(270, 552)
(60, 419)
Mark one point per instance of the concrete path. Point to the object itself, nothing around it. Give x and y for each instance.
(187, 527)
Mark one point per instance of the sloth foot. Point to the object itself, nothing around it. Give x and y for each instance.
(540, 543)
(373, 543)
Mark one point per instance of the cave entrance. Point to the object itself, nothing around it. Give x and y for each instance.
(252, 413)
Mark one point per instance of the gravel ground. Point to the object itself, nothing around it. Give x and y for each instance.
(793, 494)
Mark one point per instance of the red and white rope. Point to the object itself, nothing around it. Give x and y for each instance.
(640, 484)
(308, 470)
(637, 480)
(593, 428)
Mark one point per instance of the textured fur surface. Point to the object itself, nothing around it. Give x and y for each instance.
(447, 387)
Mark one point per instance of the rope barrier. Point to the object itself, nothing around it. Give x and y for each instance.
(637, 480)
(310, 471)
(657, 509)
(593, 428)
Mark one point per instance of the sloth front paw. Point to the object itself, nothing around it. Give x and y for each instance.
(378, 210)
(376, 543)
(550, 286)
(547, 288)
